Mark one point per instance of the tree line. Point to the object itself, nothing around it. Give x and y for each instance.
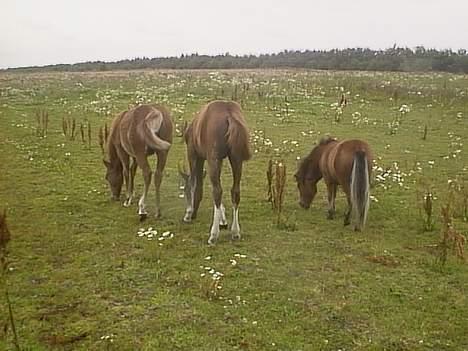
(362, 59)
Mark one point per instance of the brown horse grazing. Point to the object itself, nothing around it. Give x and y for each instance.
(135, 134)
(347, 163)
(217, 131)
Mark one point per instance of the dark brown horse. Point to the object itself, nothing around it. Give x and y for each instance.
(135, 134)
(217, 131)
(347, 163)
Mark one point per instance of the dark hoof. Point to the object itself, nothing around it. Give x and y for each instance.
(143, 217)
(223, 226)
(346, 223)
(330, 215)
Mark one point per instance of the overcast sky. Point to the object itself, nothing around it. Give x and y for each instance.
(35, 32)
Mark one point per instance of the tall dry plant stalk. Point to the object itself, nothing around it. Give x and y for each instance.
(278, 190)
(5, 237)
(89, 134)
(269, 175)
(73, 127)
(101, 139)
(428, 220)
(343, 101)
(425, 132)
(82, 133)
(451, 240)
(65, 127)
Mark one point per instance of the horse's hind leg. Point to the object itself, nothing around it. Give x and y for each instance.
(143, 163)
(236, 166)
(331, 200)
(131, 180)
(214, 169)
(347, 219)
(158, 175)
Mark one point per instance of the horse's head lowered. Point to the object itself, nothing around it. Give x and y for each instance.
(307, 188)
(114, 177)
(308, 173)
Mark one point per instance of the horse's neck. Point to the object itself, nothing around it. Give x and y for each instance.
(113, 156)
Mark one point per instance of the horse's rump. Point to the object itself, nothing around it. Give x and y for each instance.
(138, 130)
(238, 135)
(220, 127)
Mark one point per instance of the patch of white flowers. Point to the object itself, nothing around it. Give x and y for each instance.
(152, 234)
(404, 109)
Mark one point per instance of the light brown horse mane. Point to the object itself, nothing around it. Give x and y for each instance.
(306, 161)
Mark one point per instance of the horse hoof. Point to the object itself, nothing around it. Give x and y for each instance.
(157, 215)
(211, 242)
(223, 226)
(143, 216)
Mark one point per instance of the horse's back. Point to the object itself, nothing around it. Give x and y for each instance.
(211, 128)
(345, 154)
(130, 127)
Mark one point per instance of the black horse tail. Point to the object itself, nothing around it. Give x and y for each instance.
(359, 190)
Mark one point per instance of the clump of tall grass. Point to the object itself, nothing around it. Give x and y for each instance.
(42, 123)
(5, 237)
(69, 128)
(451, 239)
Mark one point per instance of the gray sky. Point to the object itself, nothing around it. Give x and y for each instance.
(35, 32)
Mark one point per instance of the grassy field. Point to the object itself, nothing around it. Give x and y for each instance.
(80, 276)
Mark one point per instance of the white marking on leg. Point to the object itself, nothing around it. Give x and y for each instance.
(235, 228)
(141, 205)
(214, 233)
(223, 216)
(128, 201)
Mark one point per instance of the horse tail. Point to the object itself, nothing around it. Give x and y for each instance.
(360, 189)
(151, 126)
(238, 135)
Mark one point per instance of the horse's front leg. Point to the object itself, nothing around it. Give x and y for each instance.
(125, 161)
(331, 188)
(146, 170)
(194, 194)
(131, 182)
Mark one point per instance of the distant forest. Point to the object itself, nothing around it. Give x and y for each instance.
(392, 59)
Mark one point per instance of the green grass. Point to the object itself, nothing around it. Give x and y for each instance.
(79, 272)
